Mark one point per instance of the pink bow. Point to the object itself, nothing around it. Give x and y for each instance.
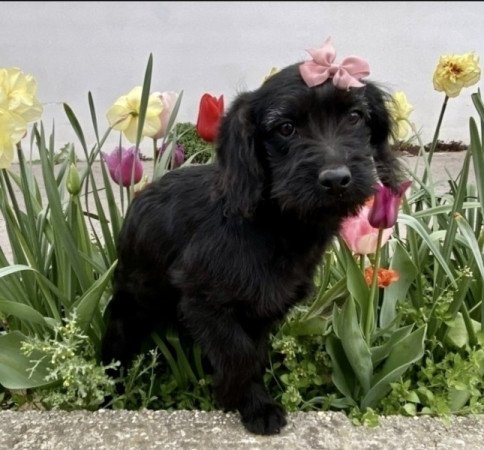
(321, 67)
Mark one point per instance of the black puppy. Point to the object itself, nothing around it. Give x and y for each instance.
(227, 248)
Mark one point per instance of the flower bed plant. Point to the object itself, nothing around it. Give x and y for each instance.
(396, 324)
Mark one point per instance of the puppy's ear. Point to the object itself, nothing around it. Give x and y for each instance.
(388, 167)
(241, 174)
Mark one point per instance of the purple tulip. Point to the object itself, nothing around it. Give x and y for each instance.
(179, 154)
(120, 165)
(384, 212)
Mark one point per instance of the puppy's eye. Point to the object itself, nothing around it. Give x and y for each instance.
(286, 129)
(354, 117)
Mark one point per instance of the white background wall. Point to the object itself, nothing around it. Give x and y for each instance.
(226, 47)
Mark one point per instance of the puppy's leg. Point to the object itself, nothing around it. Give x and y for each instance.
(238, 362)
(127, 326)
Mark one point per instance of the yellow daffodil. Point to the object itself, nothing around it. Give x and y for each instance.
(123, 114)
(454, 72)
(400, 110)
(12, 128)
(18, 94)
(272, 72)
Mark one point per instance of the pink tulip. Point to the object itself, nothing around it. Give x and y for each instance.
(120, 165)
(386, 204)
(360, 236)
(168, 99)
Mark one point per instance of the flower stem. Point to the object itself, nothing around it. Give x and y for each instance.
(371, 316)
(437, 131)
(155, 156)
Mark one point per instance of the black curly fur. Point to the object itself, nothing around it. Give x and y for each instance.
(226, 249)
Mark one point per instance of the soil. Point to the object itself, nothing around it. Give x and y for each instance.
(407, 148)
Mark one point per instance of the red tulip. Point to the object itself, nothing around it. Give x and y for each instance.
(209, 115)
(384, 212)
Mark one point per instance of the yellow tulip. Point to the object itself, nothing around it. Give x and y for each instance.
(12, 128)
(400, 110)
(18, 94)
(454, 72)
(123, 114)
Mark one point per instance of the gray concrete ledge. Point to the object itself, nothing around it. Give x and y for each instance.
(106, 429)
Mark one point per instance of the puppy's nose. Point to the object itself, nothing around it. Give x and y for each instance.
(335, 180)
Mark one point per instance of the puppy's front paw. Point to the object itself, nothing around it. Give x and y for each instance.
(268, 418)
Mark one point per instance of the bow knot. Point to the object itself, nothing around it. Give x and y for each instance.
(322, 67)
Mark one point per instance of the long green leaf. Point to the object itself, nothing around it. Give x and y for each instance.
(326, 298)
(404, 265)
(145, 93)
(343, 377)
(77, 127)
(477, 150)
(23, 312)
(380, 352)
(409, 350)
(66, 248)
(470, 238)
(5, 271)
(87, 305)
(424, 234)
(348, 330)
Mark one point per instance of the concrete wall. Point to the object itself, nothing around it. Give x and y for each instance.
(226, 47)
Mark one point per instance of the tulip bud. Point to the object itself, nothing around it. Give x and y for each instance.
(124, 165)
(73, 183)
(178, 158)
(384, 212)
(209, 116)
(168, 99)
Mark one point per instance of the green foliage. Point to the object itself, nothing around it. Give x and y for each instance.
(415, 347)
(453, 385)
(300, 370)
(76, 379)
(196, 149)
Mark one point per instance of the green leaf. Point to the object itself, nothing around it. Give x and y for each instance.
(347, 328)
(5, 271)
(355, 280)
(342, 376)
(92, 110)
(23, 312)
(409, 350)
(314, 326)
(145, 93)
(180, 380)
(476, 147)
(457, 336)
(88, 304)
(471, 241)
(77, 127)
(14, 365)
(380, 352)
(325, 299)
(397, 291)
(423, 233)
(182, 360)
(457, 399)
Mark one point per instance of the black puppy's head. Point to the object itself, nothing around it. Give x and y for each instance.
(310, 150)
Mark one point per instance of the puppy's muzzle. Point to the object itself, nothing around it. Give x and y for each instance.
(335, 180)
